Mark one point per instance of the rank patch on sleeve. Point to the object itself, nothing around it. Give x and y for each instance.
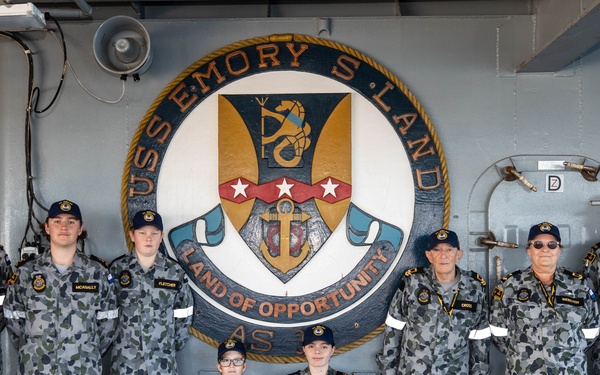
(589, 258)
(13, 278)
(410, 272)
(498, 293)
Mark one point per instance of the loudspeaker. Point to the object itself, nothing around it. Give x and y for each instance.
(122, 46)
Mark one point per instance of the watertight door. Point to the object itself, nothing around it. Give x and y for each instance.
(505, 204)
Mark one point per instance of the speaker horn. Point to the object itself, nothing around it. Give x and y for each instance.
(122, 46)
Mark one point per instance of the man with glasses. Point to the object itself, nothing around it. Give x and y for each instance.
(231, 357)
(544, 317)
(438, 320)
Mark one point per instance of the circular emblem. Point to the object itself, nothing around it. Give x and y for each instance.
(125, 278)
(39, 283)
(230, 344)
(299, 177)
(524, 294)
(424, 296)
(65, 206)
(545, 227)
(442, 235)
(319, 330)
(149, 216)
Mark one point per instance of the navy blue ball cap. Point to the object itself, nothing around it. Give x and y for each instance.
(231, 344)
(64, 207)
(443, 236)
(543, 228)
(318, 332)
(146, 217)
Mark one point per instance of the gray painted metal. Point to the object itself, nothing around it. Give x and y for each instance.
(555, 49)
(459, 68)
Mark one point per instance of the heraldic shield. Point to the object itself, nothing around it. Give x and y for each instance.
(285, 172)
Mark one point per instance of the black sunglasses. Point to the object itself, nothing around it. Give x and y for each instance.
(540, 244)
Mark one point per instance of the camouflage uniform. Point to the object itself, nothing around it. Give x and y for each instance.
(420, 337)
(156, 312)
(61, 324)
(536, 337)
(5, 272)
(591, 271)
(306, 371)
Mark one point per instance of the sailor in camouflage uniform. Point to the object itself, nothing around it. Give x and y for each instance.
(438, 319)
(318, 346)
(61, 307)
(544, 317)
(591, 270)
(155, 301)
(5, 272)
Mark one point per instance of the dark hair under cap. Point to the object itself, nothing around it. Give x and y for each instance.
(231, 344)
(318, 332)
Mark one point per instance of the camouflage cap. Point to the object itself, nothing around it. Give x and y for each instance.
(543, 228)
(146, 217)
(318, 332)
(64, 207)
(231, 344)
(443, 236)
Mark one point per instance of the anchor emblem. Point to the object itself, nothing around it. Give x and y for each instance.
(285, 173)
(285, 223)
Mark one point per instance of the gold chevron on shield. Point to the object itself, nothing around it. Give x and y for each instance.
(236, 159)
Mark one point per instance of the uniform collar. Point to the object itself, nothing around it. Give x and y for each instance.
(160, 261)
(78, 261)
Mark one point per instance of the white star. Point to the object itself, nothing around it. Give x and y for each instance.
(284, 188)
(329, 188)
(239, 188)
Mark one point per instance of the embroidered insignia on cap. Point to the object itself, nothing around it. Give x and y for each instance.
(498, 293)
(149, 216)
(39, 283)
(230, 344)
(319, 330)
(66, 206)
(125, 278)
(441, 234)
(424, 296)
(545, 226)
(524, 294)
